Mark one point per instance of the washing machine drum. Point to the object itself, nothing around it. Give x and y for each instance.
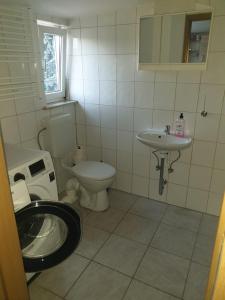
(49, 232)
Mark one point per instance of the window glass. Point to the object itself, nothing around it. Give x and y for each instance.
(52, 47)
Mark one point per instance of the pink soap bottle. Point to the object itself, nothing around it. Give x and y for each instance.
(180, 126)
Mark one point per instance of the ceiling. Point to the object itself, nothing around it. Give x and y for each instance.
(71, 8)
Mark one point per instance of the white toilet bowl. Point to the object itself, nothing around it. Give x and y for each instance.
(94, 177)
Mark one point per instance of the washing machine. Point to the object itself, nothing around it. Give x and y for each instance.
(49, 230)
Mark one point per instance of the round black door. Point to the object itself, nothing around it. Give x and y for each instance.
(49, 232)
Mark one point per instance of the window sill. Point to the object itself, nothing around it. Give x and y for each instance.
(58, 104)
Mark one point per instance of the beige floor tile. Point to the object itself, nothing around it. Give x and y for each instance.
(196, 283)
(106, 220)
(140, 291)
(183, 218)
(175, 240)
(38, 293)
(91, 241)
(203, 249)
(121, 254)
(164, 271)
(60, 278)
(149, 208)
(99, 283)
(137, 228)
(121, 200)
(208, 225)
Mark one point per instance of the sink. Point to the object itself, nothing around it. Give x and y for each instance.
(158, 139)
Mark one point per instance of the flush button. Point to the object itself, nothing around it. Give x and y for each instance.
(52, 176)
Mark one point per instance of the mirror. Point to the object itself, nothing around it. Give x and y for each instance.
(174, 39)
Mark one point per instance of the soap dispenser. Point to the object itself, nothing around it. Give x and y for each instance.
(180, 126)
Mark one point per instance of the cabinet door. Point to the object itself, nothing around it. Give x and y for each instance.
(216, 283)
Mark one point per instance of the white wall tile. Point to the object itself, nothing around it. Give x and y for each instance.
(221, 137)
(124, 140)
(88, 21)
(161, 118)
(180, 174)
(125, 39)
(189, 77)
(218, 181)
(91, 91)
(7, 108)
(140, 186)
(203, 153)
(177, 194)
(24, 105)
(125, 67)
(10, 130)
(144, 94)
(125, 118)
(200, 177)
(220, 157)
(197, 200)
(141, 165)
(94, 153)
(125, 94)
(74, 42)
(92, 114)
(215, 72)
(107, 40)
(142, 119)
(211, 97)
(214, 203)
(76, 90)
(89, 40)
(123, 181)
(109, 138)
(80, 113)
(165, 76)
(139, 148)
(186, 97)
(154, 191)
(107, 19)
(148, 76)
(207, 128)
(90, 67)
(75, 69)
(108, 92)
(108, 116)
(218, 30)
(93, 136)
(164, 96)
(107, 67)
(124, 161)
(109, 156)
(219, 7)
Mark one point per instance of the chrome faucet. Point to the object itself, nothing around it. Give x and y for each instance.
(167, 129)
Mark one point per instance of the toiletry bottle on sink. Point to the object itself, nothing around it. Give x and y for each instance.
(180, 126)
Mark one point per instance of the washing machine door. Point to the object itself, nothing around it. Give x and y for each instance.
(49, 232)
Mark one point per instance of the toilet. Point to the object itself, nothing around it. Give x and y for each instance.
(94, 177)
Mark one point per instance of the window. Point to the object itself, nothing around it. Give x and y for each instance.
(53, 49)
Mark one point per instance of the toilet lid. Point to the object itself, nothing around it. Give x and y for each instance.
(93, 169)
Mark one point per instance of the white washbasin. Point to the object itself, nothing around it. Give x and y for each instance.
(158, 139)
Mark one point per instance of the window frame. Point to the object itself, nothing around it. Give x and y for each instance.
(55, 96)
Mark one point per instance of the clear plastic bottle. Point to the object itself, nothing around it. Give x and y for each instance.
(180, 126)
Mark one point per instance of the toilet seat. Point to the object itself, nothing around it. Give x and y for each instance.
(94, 170)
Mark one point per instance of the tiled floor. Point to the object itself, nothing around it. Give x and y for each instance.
(138, 249)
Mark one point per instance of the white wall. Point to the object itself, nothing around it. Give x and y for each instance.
(116, 101)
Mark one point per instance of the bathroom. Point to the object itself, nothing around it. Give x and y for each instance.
(154, 237)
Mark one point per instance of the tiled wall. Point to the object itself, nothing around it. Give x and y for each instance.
(21, 119)
(116, 101)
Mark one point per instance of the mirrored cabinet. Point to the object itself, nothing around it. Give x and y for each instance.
(175, 41)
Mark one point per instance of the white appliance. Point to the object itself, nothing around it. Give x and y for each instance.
(94, 176)
(49, 230)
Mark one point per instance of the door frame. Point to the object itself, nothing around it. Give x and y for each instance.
(13, 283)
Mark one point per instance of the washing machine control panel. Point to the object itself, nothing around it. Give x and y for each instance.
(32, 170)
